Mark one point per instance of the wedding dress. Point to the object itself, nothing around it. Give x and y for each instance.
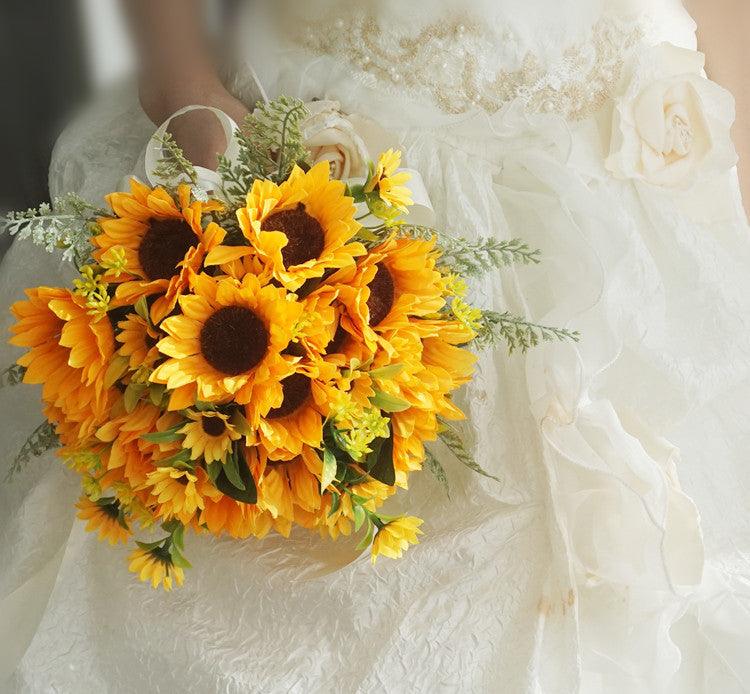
(587, 567)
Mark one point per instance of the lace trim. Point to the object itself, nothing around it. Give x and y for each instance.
(448, 61)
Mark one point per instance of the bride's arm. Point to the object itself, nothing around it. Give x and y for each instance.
(723, 30)
(176, 69)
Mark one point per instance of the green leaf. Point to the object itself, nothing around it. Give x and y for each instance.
(438, 472)
(359, 517)
(117, 367)
(214, 469)
(141, 308)
(156, 393)
(248, 495)
(168, 436)
(232, 472)
(381, 460)
(171, 525)
(179, 460)
(387, 372)
(335, 504)
(132, 396)
(330, 464)
(238, 421)
(149, 545)
(388, 403)
(367, 539)
(178, 559)
(204, 406)
(178, 537)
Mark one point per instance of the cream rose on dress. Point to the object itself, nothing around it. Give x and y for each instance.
(672, 126)
(331, 136)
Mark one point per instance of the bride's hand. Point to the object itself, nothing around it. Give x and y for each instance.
(178, 69)
(198, 133)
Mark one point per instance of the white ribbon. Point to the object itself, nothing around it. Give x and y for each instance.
(421, 213)
(208, 180)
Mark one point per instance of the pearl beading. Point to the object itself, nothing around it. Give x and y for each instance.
(452, 62)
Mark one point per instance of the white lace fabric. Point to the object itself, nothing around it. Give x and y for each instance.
(587, 568)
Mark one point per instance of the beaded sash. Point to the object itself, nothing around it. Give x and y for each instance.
(455, 63)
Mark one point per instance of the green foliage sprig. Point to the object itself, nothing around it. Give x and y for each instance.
(67, 224)
(452, 438)
(271, 143)
(12, 376)
(174, 167)
(438, 471)
(518, 334)
(41, 440)
(475, 258)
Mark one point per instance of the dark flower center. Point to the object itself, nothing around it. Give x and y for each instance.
(213, 426)
(306, 236)
(111, 510)
(339, 338)
(163, 246)
(234, 340)
(296, 389)
(382, 294)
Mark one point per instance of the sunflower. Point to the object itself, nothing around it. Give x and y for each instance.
(68, 353)
(286, 485)
(178, 493)
(128, 450)
(228, 343)
(209, 435)
(156, 565)
(138, 338)
(395, 283)
(162, 240)
(390, 185)
(224, 514)
(298, 421)
(395, 537)
(104, 515)
(299, 229)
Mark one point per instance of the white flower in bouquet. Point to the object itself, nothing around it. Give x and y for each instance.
(331, 136)
(672, 125)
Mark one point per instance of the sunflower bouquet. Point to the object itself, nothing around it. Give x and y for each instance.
(272, 353)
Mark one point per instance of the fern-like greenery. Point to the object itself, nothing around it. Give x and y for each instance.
(41, 440)
(438, 471)
(271, 143)
(174, 167)
(12, 376)
(450, 436)
(517, 333)
(66, 225)
(475, 258)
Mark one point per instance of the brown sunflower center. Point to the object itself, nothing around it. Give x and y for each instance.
(382, 292)
(339, 338)
(163, 246)
(306, 236)
(213, 426)
(234, 340)
(296, 389)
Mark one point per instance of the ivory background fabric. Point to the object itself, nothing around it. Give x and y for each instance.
(586, 569)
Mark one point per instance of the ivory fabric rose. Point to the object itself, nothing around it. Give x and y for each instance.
(332, 137)
(672, 125)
